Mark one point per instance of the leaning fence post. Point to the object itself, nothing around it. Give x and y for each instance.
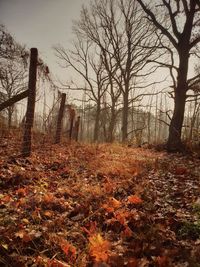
(60, 117)
(26, 145)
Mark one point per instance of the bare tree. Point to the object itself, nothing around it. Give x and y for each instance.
(13, 67)
(12, 83)
(9, 48)
(90, 68)
(118, 29)
(178, 21)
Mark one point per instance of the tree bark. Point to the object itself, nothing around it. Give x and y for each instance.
(26, 146)
(174, 142)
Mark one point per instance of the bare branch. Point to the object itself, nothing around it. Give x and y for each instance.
(157, 24)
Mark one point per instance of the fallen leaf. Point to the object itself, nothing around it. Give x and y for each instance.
(21, 192)
(99, 248)
(24, 236)
(180, 170)
(134, 199)
(112, 205)
(133, 262)
(162, 261)
(48, 213)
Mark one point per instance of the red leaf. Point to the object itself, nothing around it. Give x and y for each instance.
(134, 199)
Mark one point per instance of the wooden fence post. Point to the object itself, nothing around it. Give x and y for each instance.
(26, 145)
(60, 117)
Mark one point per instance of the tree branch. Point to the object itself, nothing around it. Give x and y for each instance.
(157, 24)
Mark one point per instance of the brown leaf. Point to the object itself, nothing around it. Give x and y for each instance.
(180, 170)
(162, 261)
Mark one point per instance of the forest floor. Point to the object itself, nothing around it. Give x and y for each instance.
(98, 205)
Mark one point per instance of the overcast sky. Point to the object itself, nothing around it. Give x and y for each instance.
(41, 24)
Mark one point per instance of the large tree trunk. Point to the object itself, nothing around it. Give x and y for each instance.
(174, 142)
(125, 118)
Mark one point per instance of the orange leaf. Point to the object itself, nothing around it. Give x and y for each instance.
(115, 203)
(112, 204)
(121, 216)
(108, 208)
(6, 199)
(48, 213)
(99, 248)
(134, 199)
(48, 198)
(68, 249)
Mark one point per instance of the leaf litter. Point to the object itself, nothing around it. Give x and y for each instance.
(99, 205)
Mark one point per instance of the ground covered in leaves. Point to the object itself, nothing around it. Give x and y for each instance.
(98, 205)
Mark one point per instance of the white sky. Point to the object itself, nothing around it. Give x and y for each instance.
(41, 24)
(44, 24)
